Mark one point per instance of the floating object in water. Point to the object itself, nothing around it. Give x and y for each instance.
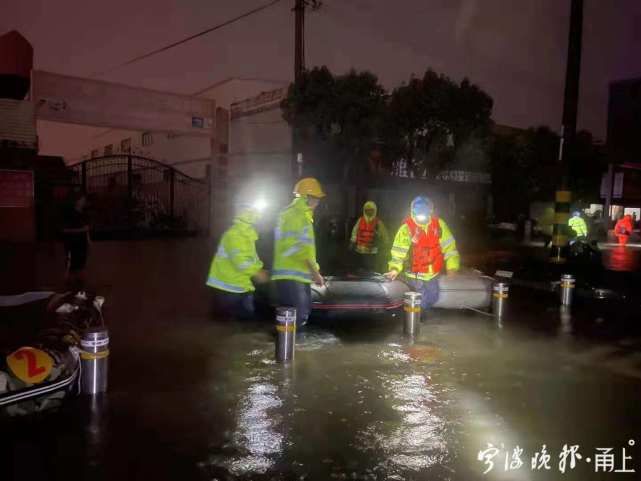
(44, 370)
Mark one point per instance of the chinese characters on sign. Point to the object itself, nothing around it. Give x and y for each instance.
(605, 460)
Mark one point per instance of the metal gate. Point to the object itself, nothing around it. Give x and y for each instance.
(132, 194)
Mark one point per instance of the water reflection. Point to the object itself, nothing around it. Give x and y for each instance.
(413, 439)
(622, 258)
(417, 442)
(257, 439)
(565, 315)
(257, 434)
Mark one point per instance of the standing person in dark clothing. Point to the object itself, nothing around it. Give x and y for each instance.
(75, 232)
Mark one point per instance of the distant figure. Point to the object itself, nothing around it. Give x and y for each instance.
(236, 263)
(75, 233)
(369, 233)
(295, 266)
(578, 226)
(623, 229)
(425, 242)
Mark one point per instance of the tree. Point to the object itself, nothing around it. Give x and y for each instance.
(337, 116)
(525, 169)
(588, 162)
(430, 118)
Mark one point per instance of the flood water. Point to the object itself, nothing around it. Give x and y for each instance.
(192, 397)
(622, 258)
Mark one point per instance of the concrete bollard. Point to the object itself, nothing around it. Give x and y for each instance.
(412, 301)
(94, 358)
(567, 289)
(286, 333)
(500, 292)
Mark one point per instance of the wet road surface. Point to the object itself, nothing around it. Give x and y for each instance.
(195, 398)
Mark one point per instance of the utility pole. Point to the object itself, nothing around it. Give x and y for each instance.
(299, 34)
(299, 39)
(563, 195)
(299, 67)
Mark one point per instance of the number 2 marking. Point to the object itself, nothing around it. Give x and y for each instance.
(32, 368)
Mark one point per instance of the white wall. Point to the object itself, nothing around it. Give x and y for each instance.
(265, 133)
(189, 154)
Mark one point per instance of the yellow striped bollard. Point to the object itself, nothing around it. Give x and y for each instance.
(285, 333)
(412, 307)
(500, 292)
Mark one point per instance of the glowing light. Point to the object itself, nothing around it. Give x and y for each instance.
(259, 205)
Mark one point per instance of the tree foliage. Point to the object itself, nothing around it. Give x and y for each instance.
(433, 123)
(525, 168)
(430, 118)
(424, 122)
(343, 111)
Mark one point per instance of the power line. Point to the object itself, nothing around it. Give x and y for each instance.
(191, 37)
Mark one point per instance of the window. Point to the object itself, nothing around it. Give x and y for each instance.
(94, 153)
(147, 138)
(109, 149)
(125, 146)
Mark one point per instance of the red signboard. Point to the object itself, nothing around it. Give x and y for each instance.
(16, 188)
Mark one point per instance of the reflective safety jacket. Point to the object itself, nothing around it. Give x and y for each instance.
(425, 249)
(294, 243)
(236, 260)
(578, 225)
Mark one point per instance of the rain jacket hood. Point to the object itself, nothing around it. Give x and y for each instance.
(246, 216)
(370, 205)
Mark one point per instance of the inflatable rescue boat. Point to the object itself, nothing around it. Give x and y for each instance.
(39, 348)
(466, 289)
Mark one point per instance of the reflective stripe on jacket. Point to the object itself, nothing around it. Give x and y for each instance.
(578, 225)
(294, 243)
(402, 247)
(236, 260)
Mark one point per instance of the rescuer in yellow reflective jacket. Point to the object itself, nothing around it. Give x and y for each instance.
(236, 264)
(578, 225)
(369, 233)
(295, 266)
(423, 248)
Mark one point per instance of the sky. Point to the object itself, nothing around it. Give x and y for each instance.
(514, 49)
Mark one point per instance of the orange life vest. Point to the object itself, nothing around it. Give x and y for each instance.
(366, 234)
(426, 247)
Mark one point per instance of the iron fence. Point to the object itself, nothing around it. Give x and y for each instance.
(129, 193)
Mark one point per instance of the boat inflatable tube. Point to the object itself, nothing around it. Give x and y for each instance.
(39, 365)
(353, 293)
(467, 289)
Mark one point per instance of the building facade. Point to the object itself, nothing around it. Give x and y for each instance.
(256, 126)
